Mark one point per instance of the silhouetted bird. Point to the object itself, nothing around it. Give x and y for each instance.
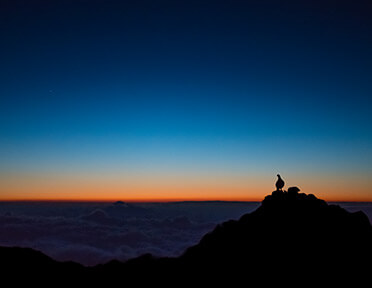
(279, 184)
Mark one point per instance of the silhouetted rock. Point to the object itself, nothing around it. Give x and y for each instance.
(293, 191)
(292, 238)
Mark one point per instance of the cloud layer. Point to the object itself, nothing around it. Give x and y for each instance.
(93, 233)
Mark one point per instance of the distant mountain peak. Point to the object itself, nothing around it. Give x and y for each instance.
(121, 203)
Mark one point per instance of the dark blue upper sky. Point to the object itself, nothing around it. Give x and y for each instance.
(185, 75)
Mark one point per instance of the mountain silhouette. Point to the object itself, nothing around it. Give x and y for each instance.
(292, 238)
(289, 233)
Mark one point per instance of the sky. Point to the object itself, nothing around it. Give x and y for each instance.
(184, 100)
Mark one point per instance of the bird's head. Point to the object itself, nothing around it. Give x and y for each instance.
(278, 175)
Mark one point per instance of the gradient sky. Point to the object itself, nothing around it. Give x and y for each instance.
(182, 100)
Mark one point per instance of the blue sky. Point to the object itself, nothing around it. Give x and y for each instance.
(180, 86)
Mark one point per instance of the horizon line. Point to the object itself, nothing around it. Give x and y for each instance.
(139, 200)
(157, 200)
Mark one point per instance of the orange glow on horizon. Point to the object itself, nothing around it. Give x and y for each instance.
(136, 194)
(148, 196)
(160, 189)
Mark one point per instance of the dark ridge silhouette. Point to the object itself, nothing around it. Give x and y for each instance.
(291, 239)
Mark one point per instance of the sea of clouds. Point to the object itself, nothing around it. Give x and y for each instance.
(93, 233)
